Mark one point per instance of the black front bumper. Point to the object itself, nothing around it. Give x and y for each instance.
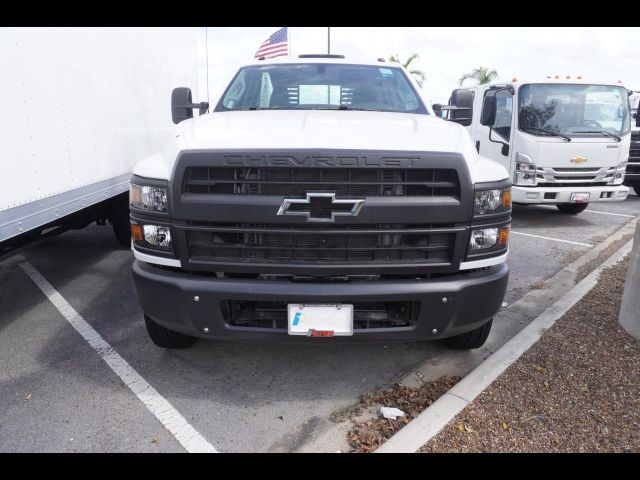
(472, 298)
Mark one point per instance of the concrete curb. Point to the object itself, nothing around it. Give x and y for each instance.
(426, 425)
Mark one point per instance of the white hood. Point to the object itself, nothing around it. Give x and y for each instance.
(321, 129)
(349, 130)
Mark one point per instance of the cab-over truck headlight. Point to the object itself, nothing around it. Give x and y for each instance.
(525, 172)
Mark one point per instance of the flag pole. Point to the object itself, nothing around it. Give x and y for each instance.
(328, 40)
(289, 42)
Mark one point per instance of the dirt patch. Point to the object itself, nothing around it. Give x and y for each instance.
(368, 434)
(591, 265)
(539, 285)
(576, 390)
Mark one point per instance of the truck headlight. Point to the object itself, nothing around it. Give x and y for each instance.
(618, 175)
(496, 200)
(525, 172)
(487, 240)
(148, 197)
(152, 236)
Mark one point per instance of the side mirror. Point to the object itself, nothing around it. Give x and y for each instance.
(182, 106)
(461, 107)
(437, 109)
(505, 149)
(489, 108)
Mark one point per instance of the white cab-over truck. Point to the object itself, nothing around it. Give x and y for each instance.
(79, 107)
(564, 142)
(320, 197)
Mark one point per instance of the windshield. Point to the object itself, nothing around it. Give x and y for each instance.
(311, 86)
(573, 110)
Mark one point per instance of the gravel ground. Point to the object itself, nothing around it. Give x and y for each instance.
(576, 390)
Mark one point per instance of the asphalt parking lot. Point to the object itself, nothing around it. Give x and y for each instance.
(57, 394)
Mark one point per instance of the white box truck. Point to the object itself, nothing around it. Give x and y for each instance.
(565, 141)
(79, 107)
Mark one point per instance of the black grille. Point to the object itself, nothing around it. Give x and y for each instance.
(635, 136)
(578, 184)
(345, 182)
(633, 168)
(634, 152)
(320, 243)
(258, 314)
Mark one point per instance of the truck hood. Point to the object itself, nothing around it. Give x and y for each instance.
(349, 130)
(320, 128)
(582, 154)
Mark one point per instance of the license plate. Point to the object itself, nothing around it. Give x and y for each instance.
(580, 197)
(325, 320)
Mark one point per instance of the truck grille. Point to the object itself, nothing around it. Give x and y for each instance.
(302, 243)
(366, 315)
(345, 182)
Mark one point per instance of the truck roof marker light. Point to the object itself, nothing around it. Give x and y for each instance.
(579, 77)
(514, 79)
(568, 77)
(557, 77)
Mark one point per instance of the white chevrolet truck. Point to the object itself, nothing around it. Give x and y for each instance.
(564, 141)
(319, 197)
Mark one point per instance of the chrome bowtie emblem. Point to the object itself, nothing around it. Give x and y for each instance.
(578, 159)
(320, 207)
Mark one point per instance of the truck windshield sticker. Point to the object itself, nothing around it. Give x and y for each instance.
(386, 72)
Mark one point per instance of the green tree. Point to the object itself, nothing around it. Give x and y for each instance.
(481, 74)
(418, 74)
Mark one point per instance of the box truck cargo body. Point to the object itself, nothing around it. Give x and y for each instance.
(79, 106)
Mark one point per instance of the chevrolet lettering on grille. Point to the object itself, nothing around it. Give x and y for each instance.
(320, 207)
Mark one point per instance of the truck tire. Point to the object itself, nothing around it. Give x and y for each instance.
(119, 218)
(571, 208)
(636, 187)
(473, 339)
(166, 338)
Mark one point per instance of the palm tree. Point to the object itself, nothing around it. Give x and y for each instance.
(418, 74)
(481, 74)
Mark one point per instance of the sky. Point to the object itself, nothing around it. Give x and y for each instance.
(446, 53)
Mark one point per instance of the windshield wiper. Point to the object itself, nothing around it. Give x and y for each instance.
(548, 132)
(603, 132)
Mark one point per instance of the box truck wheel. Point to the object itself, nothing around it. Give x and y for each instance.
(473, 339)
(119, 218)
(571, 208)
(636, 187)
(166, 338)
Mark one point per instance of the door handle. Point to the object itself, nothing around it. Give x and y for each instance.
(478, 145)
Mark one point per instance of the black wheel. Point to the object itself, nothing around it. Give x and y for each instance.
(473, 339)
(636, 187)
(119, 218)
(166, 338)
(571, 208)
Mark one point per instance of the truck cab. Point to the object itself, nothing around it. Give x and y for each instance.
(564, 142)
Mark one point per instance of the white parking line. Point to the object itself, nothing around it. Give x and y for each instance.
(609, 213)
(594, 211)
(554, 239)
(170, 418)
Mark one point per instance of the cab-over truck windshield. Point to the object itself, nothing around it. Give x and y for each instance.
(573, 110)
(320, 86)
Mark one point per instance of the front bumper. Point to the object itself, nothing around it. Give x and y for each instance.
(536, 195)
(167, 297)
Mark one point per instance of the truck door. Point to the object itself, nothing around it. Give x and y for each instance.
(502, 129)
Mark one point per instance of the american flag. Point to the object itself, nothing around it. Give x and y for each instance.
(274, 46)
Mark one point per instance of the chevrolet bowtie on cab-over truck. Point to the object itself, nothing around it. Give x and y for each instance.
(319, 198)
(565, 142)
